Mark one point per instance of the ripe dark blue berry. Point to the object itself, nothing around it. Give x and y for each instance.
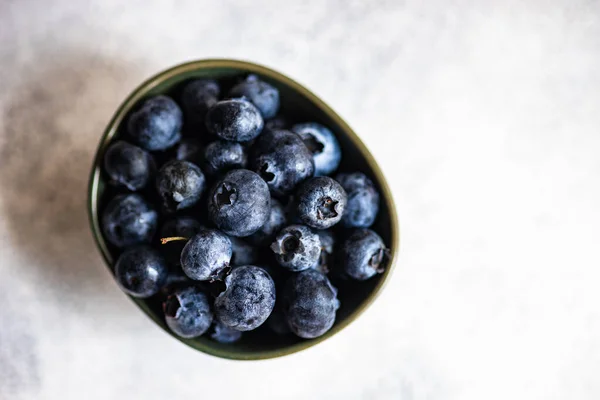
(187, 312)
(206, 255)
(242, 253)
(322, 144)
(128, 165)
(197, 97)
(277, 220)
(157, 124)
(310, 303)
(296, 248)
(239, 204)
(363, 254)
(236, 120)
(248, 299)
(321, 202)
(128, 220)
(263, 95)
(141, 271)
(224, 334)
(282, 160)
(363, 200)
(221, 156)
(180, 184)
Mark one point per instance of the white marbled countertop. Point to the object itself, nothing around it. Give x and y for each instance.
(487, 111)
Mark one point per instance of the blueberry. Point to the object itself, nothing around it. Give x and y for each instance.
(141, 271)
(197, 97)
(263, 95)
(242, 253)
(282, 160)
(239, 204)
(129, 220)
(157, 124)
(221, 156)
(363, 200)
(321, 202)
(177, 227)
(189, 149)
(310, 303)
(224, 334)
(296, 248)
(128, 165)
(363, 254)
(248, 299)
(277, 220)
(235, 120)
(180, 184)
(327, 241)
(187, 312)
(206, 255)
(323, 145)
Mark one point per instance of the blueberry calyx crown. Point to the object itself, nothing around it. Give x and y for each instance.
(225, 195)
(327, 208)
(378, 258)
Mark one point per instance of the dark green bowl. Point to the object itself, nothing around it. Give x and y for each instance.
(355, 297)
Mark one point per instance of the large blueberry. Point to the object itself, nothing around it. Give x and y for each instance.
(277, 220)
(157, 124)
(197, 97)
(321, 202)
(177, 227)
(263, 95)
(187, 312)
(310, 303)
(221, 156)
(323, 145)
(248, 299)
(239, 204)
(206, 255)
(128, 165)
(128, 220)
(363, 254)
(180, 184)
(141, 271)
(282, 160)
(296, 248)
(242, 253)
(363, 200)
(236, 120)
(223, 334)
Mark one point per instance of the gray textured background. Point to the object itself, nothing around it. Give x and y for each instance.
(484, 115)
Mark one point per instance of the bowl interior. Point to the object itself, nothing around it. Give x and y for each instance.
(303, 106)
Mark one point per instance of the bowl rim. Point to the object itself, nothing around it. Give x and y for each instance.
(250, 67)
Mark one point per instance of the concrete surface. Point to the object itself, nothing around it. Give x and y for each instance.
(487, 111)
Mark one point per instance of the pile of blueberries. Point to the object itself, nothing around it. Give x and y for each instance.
(252, 225)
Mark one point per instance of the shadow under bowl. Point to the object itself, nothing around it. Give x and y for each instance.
(355, 297)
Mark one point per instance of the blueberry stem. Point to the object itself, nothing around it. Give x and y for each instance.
(172, 239)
